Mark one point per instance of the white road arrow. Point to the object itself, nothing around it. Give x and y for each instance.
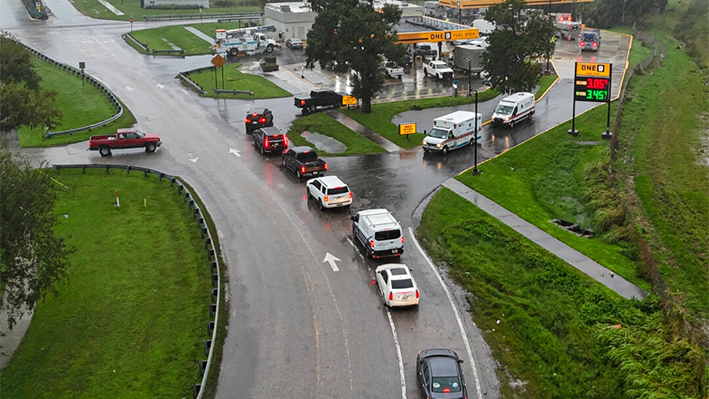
(235, 152)
(160, 86)
(193, 159)
(330, 258)
(128, 88)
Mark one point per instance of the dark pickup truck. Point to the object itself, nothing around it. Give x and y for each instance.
(318, 98)
(304, 161)
(124, 138)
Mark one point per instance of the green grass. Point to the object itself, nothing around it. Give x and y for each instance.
(543, 179)
(129, 320)
(546, 323)
(379, 120)
(545, 83)
(325, 124)
(159, 38)
(81, 105)
(94, 9)
(664, 132)
(236, 80)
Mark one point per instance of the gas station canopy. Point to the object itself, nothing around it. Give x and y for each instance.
(466, 4)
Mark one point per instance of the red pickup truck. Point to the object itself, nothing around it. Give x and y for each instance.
(124, 138)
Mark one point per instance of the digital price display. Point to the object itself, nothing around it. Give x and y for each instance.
(592, 89)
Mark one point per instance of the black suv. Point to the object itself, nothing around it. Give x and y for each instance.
(270, 139)
(257, 118)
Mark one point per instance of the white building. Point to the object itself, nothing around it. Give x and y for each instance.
(294, 20)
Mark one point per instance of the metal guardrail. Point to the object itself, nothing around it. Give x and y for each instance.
(111, 97)
(179, 51)
(191, 82)
(171, 17)
(137, 43)
(239, 19)
(182, 190)
(184, 76)
(233, 91)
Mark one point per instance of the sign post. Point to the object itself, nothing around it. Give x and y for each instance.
(407, 129)
(82, 65)
(592, 82)
(218, 61)
(131, 20)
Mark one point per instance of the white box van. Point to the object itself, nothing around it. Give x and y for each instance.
(378, 232)
(453, 131)
(513, 109)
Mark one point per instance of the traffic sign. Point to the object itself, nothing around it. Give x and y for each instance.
(593, 69)
(407, 128)
(349, 100)
(218, 61)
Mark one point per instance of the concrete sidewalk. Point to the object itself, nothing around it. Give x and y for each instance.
(564, 252)
(364, 131)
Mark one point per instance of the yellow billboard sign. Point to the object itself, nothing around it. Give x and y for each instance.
(466, 4)
(349, 100)
(439, 36)
(593, 69)
(407, 128)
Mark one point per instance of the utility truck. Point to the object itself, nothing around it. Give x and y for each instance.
(453, 131)
(462, 53)
(244, 40)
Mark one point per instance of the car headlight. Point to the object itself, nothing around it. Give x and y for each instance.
(424, 142)
(439, 145)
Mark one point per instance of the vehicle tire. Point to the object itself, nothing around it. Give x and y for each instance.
(233, 51)
(444, 151)
(320, 204)
(425, 73)
(150, 147)
(471, 142)
(512, 124)
(269, 49)
(104, 151)
(298, 174)
(262, 152)
(283, 161)
(425, 149)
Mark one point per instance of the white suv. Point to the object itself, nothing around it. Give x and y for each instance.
(378, 232)
(329, 192)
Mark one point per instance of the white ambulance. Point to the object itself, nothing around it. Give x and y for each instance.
(514, 109)
(453, 131)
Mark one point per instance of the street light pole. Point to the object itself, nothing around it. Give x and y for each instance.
(475, 170)
(470, 80)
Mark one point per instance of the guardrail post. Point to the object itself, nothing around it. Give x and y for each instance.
(108, 167)
(83, 169)
(207, 242)
(173, 181)
(210, 327)
(195, 390)
(203, 232)
(210, 254)
(215, 291)
(190, 204)
(213, 269)
(195, 213)
(215, 278)
(187, 195)
(200, 222)
(212, 310)
(202, 367)
(207, 344)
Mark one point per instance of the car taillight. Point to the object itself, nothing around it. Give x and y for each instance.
(266, 144)
(402, 239)
(262, 120)
(371, 243)
(325, 198)
(325, 166)
(582, 44)
(254, 115)
(349, 194)
(285, 141)
(391, 296)
(302, 169)
(595, 44)
(302, 102)
(417, 294)
(247, 120)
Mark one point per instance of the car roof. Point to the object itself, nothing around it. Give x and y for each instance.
(443, 366)
(295, 39)
(259, 110)
(271, 130)
(332, 181)
(396, 270)
(301, 149)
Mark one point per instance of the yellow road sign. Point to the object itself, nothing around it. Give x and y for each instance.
(593, 69)
(407, 128)
(349, 100)
(218, 61)
(439, 36)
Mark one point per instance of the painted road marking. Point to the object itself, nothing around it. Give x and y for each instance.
(160, 86)
(236, 152)
(455, 310)
(105, 48)
(193, 159)
(402, 377)
(331, 259)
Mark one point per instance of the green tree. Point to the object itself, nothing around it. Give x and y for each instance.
(355, 36)
(512, 59)
(32, 258)
(22, 102)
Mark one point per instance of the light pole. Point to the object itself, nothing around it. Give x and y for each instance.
(475, 170)
(470, 80)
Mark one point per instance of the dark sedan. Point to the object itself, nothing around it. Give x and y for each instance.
(440, 375)
(294, 43)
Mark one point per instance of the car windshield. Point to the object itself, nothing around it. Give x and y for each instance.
(503, 109)
(139, 133)
(438, 133)
(391, 64)
(402, 284)
(441, 66)
(387, 235)
(337, 190)
(295, 41)
(439, 384)
(589, 37)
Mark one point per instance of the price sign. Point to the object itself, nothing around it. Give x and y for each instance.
(592, 89)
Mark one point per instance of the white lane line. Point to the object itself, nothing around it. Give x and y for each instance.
(402, 377)
(455, 310)
(105, 48)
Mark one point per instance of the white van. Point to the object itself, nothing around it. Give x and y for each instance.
(513, 109)
(452, 131)
(378, 232)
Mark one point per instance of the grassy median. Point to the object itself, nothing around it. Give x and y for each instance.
(169, 37)
(325, 124)
(379, 120)
(82, 104)
(94, 9)
(130, 319)
(234, 79)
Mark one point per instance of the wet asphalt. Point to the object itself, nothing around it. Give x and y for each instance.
(297, 328)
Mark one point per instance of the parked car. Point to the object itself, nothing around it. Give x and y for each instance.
(294, 43)
(257, 118)
(396, 285)
(438, 69)
(303, 161)
(440, 375)
(270, 139)
(393, 70)
(124, 138)
(329, 192)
